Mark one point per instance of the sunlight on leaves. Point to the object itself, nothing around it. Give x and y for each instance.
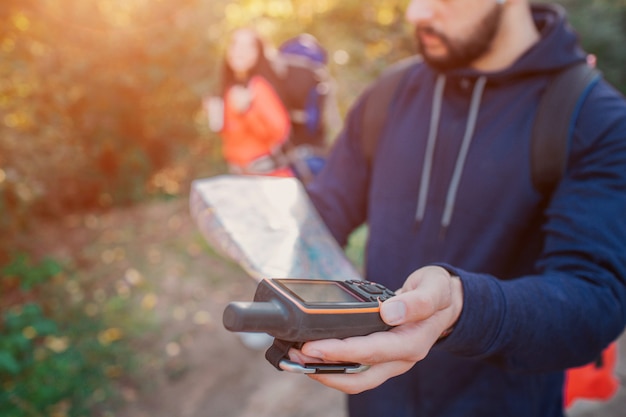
(110, 335)
(385, 16)
(29, 332)
(20, 21)
(7, 45)
(17, 120)
(56, 344)
(121, 12)
(113, 371)
(377, 49)
(278, 8)
(149, 301)
(235, 14)
(133, 277)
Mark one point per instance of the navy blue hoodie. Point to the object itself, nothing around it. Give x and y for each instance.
(450, 184)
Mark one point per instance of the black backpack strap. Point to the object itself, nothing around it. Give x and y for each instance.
(378, 100)
(556, 114)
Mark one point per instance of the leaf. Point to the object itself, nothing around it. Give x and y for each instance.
(45, 327)
(8, 363)
(50, 267)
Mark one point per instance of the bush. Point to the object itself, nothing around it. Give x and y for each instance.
(58, 354)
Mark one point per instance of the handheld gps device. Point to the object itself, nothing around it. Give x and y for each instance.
(295, 311)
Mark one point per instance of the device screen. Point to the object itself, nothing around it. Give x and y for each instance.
(319, 292)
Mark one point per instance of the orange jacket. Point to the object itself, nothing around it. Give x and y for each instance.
(258, 130)
(595, 381)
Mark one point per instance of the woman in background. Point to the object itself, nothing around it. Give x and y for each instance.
(255, 121)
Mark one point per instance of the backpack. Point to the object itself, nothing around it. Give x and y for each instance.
(305, 86)
(556, 113)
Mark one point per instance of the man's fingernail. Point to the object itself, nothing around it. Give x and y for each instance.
(393, 312)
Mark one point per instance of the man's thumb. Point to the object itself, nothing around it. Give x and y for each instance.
(393, 312)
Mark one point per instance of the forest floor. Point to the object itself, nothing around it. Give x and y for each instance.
(190, 365)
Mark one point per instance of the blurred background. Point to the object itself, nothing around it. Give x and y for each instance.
(110, 300)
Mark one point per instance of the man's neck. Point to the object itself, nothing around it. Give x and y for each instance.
(517, 33)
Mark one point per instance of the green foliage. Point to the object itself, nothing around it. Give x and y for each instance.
(30, 275)
(602, 28)
(355, 249)
(54, 358)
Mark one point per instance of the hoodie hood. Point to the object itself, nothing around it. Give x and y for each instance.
(557, 49)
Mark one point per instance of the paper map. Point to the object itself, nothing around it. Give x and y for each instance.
(269, 226)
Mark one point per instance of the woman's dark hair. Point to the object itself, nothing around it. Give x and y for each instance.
(262, 67)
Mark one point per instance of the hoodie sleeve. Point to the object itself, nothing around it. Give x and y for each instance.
(575, 305)
(346, 169)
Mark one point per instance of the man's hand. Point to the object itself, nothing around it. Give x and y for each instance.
(428, 304)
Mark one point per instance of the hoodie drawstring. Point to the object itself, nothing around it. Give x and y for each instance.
(430, 147)
(477, 93)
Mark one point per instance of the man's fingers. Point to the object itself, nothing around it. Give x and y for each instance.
(371, 378)
(412, 306)
(429, 302)
(298, 356)
(407, 342)
(425, 292)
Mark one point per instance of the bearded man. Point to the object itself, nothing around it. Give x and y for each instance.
(501, 289)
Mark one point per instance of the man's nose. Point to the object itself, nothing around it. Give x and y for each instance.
(420, 10)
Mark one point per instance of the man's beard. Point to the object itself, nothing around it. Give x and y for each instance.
(461, 53)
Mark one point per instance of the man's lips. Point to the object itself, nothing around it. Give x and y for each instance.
(428, 37)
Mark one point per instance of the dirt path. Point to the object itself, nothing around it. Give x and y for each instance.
(193, 367)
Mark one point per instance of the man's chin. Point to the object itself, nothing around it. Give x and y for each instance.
(441, 63)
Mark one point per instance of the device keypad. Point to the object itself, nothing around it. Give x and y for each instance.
(372, 290)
